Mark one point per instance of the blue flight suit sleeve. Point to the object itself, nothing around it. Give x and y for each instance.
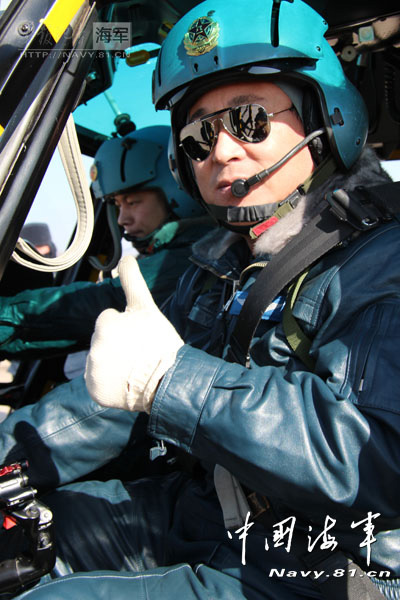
(315, 443)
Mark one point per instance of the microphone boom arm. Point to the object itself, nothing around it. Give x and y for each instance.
(241, 187)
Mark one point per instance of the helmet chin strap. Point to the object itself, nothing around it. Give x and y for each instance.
(253, 220)
(242, 214)
(140, 243)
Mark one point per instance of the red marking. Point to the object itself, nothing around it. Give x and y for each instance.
(259, 229)
(9, 522)
(9, 469)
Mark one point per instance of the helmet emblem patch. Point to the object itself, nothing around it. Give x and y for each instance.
(201, 37)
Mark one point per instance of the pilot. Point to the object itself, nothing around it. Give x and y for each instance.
(162, 222)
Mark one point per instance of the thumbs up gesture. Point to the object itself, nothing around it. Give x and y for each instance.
(130, 351)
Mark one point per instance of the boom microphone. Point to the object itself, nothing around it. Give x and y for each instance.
(241, 187)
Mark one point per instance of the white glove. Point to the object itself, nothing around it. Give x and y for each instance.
(131, 351)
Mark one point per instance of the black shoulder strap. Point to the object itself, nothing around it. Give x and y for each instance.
(361, 209)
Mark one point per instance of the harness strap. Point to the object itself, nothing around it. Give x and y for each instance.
(298, 340)
(345, 212)
(319, 236)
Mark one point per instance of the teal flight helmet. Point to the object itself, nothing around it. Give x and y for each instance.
(280, 40)
(139, 160)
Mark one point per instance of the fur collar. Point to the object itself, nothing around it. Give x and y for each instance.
(366, 171)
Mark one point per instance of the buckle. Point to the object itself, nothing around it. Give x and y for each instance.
(346, 207)
(258, 504)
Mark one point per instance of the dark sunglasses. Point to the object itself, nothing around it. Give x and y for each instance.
(248, 123)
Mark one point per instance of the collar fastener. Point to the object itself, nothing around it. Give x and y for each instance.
(284, 208)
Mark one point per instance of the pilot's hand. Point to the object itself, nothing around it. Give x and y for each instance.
(130, 351)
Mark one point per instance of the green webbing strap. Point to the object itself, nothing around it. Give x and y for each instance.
(325, 170)
(296, 337)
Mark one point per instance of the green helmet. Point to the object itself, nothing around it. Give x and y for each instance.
(215, 44)
(140, 160)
